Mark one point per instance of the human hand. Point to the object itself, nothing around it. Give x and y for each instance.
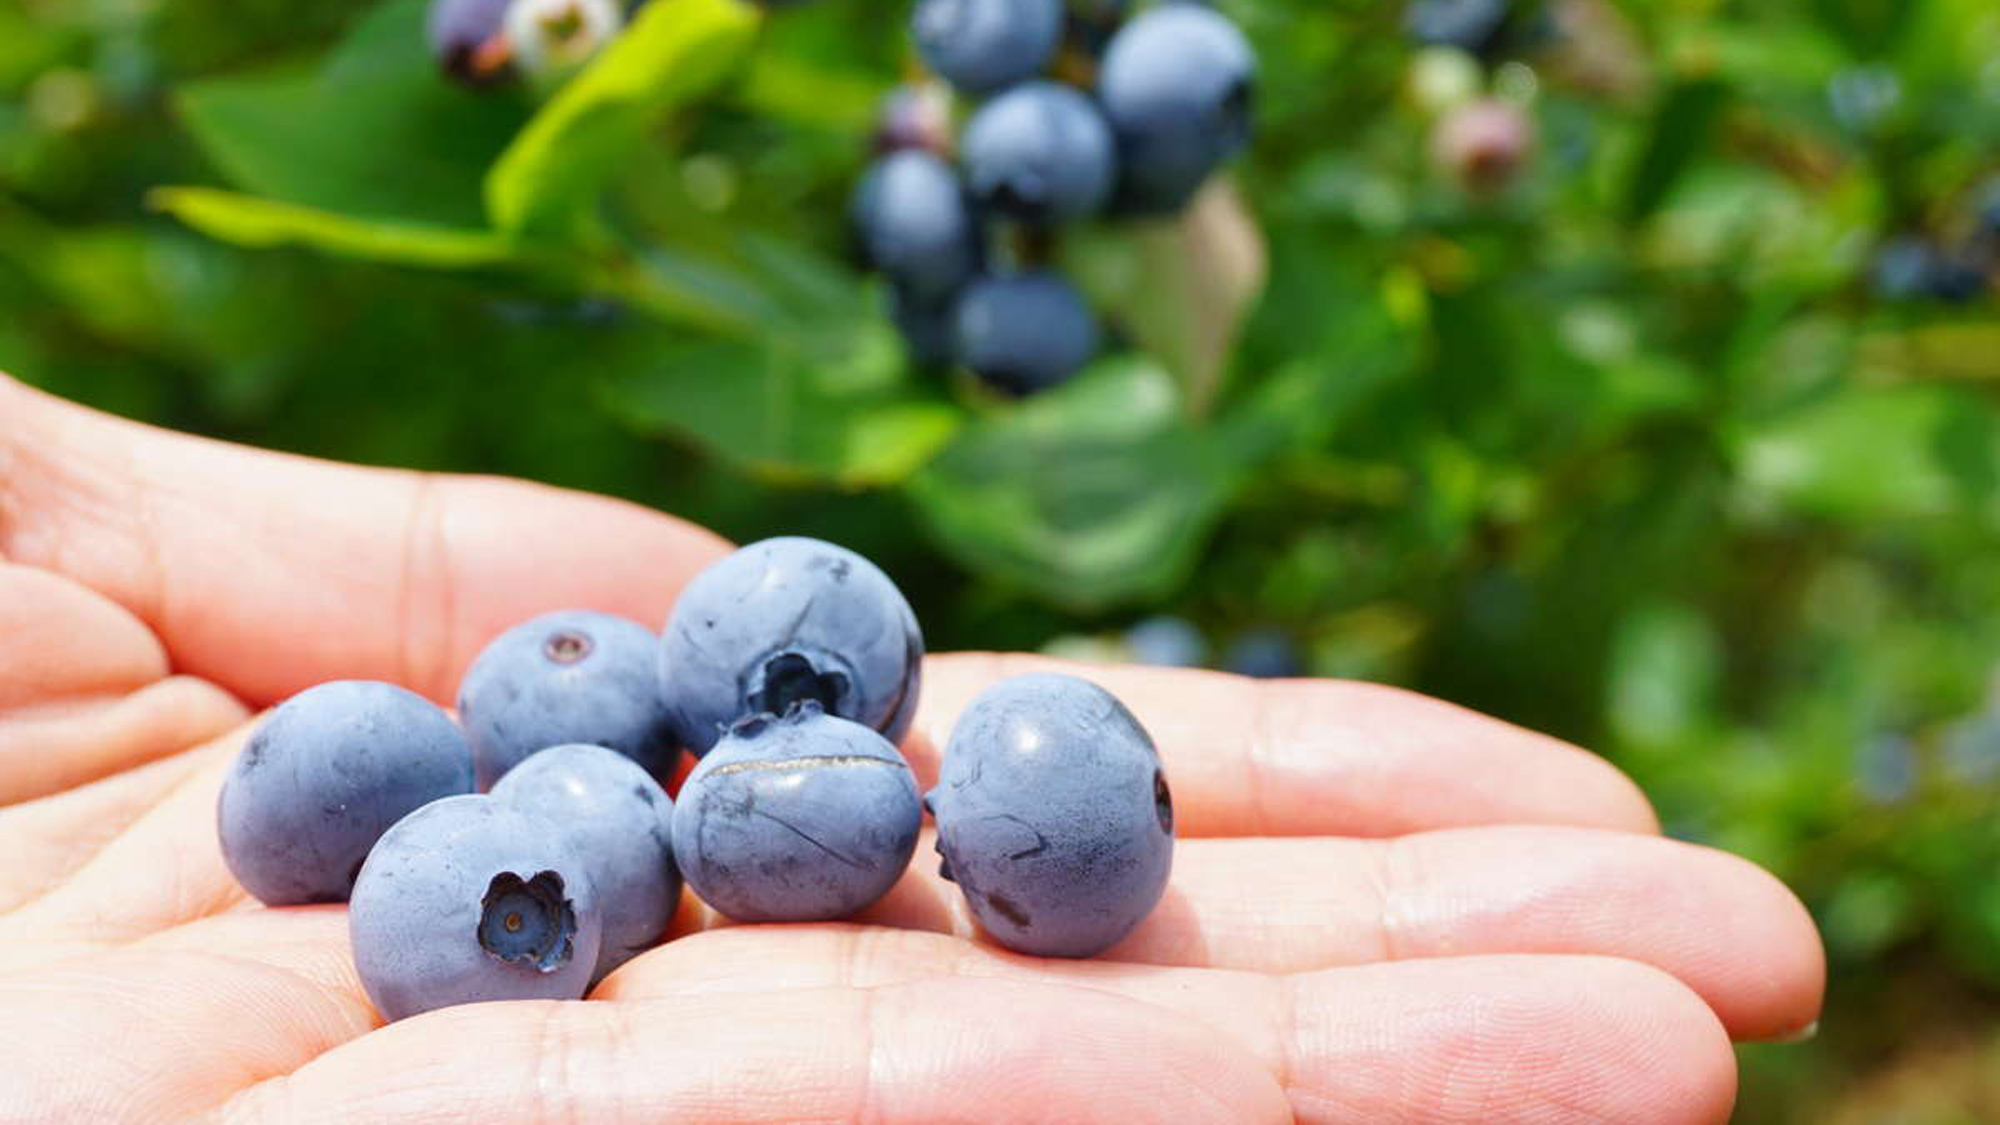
(1383, 908)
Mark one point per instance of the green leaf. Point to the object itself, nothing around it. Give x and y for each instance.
(246, 220)
(799, 92)
(841, 412)
(674, 51)
(1098, 492)
(1680, 133)
(377, 131)
(1104, 491)
(1768, 56)
(1876, 453)
(29, 48)
(1869, 28)
(1305, 400)
(1664, 666)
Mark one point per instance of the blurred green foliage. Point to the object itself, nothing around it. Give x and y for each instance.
(1626, 450)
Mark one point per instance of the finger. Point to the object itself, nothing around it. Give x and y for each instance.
(1540, 1040)
(1733, 933)
(146, 1035)
(1473, 1039)
(58, 746)
(929, 1054)
(268, 573)
(47, 839)
(85, 690)
(1313, 758)
(59, 639)
(164, 869)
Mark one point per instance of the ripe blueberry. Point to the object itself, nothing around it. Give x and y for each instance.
(981, 46)
(1167, 642)
(468, 899)
(572, 676)
(913, 222)
(1054, 816)
(802, 818)
(1910, 268)
(785, 620)
(1177, 85)
(323, 777)
(1041, 153)
(620, 823)
(1025, 333)
(1268, 654)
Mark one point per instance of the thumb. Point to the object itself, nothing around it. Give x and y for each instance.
(267, 573)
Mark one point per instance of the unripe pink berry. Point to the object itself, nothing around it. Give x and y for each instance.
(1483, 144)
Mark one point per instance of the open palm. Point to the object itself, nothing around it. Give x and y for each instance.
(1383, 909)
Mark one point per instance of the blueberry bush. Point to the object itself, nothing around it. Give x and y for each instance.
(1627, 370)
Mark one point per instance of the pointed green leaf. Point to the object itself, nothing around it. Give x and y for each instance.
(1682, 130)
(675, 51)
(1875, 453)
(246, 220)
(1098, 492)
(841, 412)
(796, 91)
(1306, 399)
(377, 131)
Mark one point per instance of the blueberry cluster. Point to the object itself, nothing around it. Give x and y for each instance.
(529, 848)
(1082, 112)
(1915, 267)
(1954, 263)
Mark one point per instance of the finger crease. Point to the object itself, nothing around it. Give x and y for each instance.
(1389, 878)
(422, 651)
(1289, 1034)
(149, 545)
(1261, 753)
(552, 1096)
(864, 1104)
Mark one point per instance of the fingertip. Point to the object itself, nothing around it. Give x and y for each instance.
(1658, 1019)
(1730, 930)
(1782, 1001)
(1528, 1039)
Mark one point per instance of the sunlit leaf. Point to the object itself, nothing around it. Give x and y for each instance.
(674, 51)
(249, 221)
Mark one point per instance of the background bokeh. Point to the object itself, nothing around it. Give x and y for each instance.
(1635, 435)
